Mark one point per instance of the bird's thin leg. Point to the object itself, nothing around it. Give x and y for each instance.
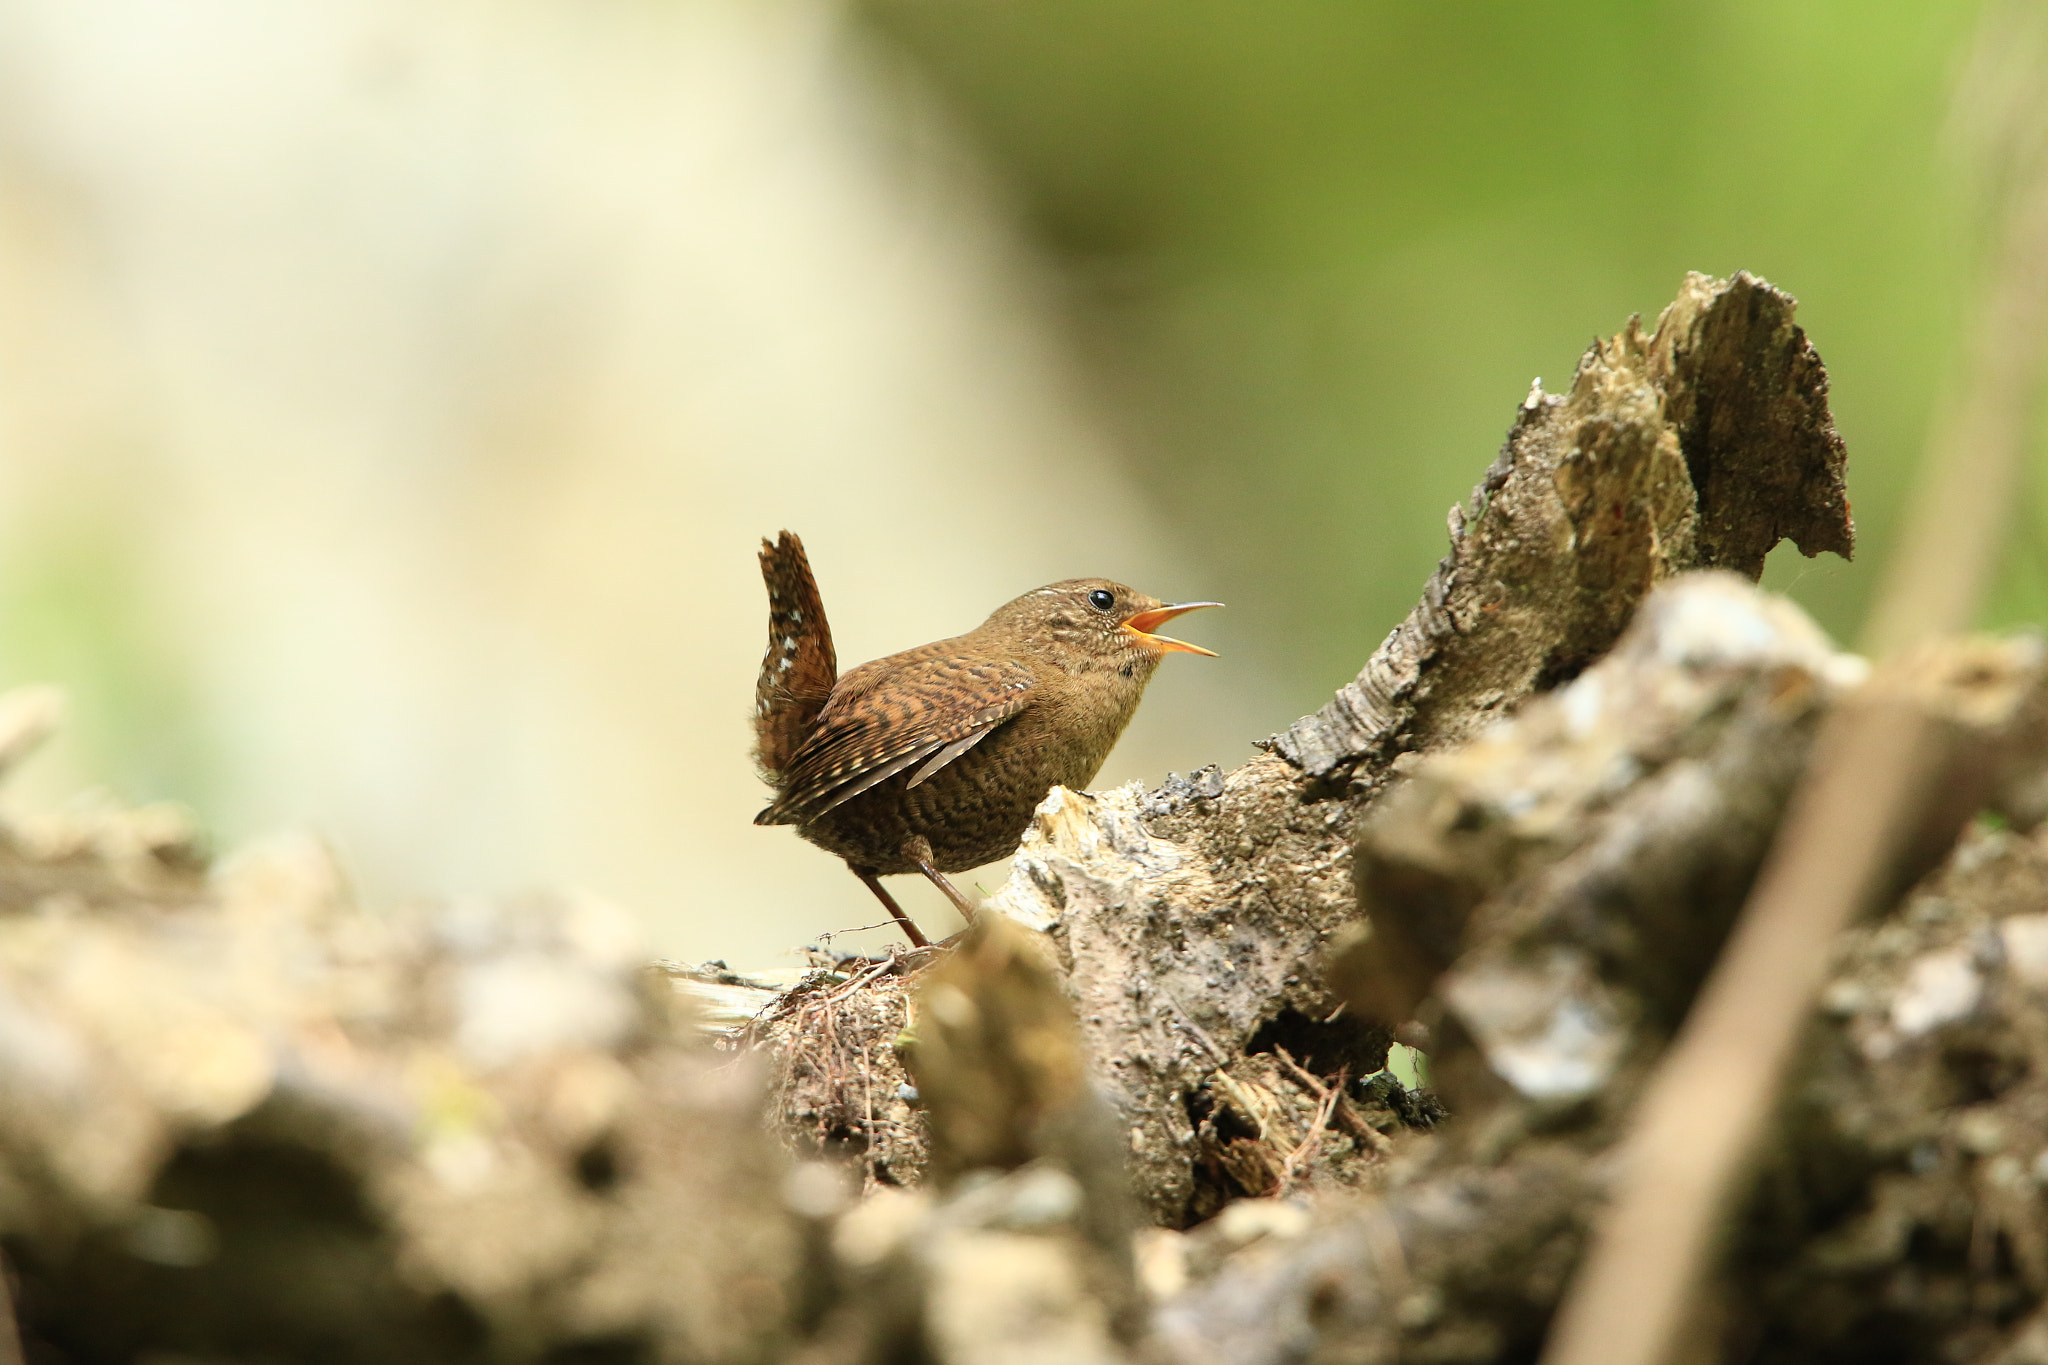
(874, 884)
(920, 850)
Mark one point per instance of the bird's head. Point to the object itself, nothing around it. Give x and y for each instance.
(1087, 624)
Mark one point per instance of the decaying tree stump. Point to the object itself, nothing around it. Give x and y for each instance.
(1141, 1112)
(1591, 851)
(1191, 919)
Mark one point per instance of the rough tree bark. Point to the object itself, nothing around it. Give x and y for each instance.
(1191, 919)
(1593, 851)
(241, 1119)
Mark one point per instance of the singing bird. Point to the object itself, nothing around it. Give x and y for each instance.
(932, 760)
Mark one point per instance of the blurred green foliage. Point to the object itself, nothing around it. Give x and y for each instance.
(1317, 249)
(76, 605)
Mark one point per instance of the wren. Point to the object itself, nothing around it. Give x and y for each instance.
(933, 760)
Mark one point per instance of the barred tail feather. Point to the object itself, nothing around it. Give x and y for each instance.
(799, 668)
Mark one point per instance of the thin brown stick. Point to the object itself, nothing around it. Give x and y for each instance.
(1701, 1113)
(1315, 1130)
(828, 935)
(10, 1332)
(1971, 473)
(1685, 1159)
(1347, 1118)
(909, 926)
(880, 968)
(867, 1125)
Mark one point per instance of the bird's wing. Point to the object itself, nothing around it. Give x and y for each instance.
(799, 669)
(947, 755)
(888, 715)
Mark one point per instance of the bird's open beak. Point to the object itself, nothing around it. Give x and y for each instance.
(1142, 624)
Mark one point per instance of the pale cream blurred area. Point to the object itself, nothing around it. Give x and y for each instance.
(392, 396)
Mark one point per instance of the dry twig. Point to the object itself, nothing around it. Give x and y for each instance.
(1316, 1124)
(10, 1336)
(1346, 1117)
(1860, 804)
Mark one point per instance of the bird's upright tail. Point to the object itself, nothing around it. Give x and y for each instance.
(799, 668)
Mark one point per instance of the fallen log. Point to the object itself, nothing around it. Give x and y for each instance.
(1189, 920)
(1145, 1111)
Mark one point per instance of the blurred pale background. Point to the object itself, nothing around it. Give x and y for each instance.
(392, 394)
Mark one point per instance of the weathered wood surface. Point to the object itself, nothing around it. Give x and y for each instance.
(1191, 919)
(242, 1119)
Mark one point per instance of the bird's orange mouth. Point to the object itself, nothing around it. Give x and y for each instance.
(1142, 624)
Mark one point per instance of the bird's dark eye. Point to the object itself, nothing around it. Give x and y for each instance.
(1102, 599)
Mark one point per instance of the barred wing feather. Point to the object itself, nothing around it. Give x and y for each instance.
(934, 707)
